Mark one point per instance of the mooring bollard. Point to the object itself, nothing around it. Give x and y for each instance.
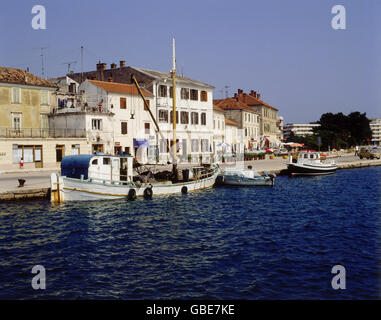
(21, 183)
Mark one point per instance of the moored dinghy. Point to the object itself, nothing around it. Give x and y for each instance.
(244, 177)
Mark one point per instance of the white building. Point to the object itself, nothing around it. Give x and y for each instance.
(299, 129)
(113, 116)
(375, 126)
(194, 114)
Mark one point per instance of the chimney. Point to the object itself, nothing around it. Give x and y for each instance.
(113, 65)
(258, 96)
(253, 93)
(235, 95)
(122, 63)
(101, 66)
(109, 79)
(240, 92)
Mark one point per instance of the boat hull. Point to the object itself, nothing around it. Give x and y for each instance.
(84, 190)
(310, 170)
(230, 180)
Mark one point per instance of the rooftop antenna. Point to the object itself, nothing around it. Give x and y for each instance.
(227, 92)
(69, 65)
(222, 93)
(42, 60)
(81, 64)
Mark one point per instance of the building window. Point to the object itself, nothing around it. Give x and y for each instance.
(123, 103)
(16, 95)
(147, 128)
(75, 149)
(44, 95)
(184, 93)
(162, 91)
(177, 117)
(171, 92)
(163, 115)
(96, 124)
(194, 94)
(194, 118)
(60, 152)
(106, 161)
(164, 146)
(184, 117)
(203, 119)
(148, 103)
(123, 127)
(194, 145)
(204, 145)
(204, 96)
(16, 121)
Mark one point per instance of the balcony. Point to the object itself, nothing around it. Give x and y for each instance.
(42, 133)
(82, 109)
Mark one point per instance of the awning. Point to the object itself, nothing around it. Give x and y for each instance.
(272, 139)
(140, 143)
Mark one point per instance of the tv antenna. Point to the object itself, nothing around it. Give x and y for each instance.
(227, 91)
(42, 60)
(69, 63)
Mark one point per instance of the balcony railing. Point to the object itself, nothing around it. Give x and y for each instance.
(88, 109)
(42, 133)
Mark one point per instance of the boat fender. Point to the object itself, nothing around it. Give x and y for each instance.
(184, 190)
(132, 195)
(148, 193)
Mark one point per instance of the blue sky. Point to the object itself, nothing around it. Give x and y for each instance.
(286, 50)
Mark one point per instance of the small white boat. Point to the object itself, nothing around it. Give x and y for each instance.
(244, 177)
(105, 177)
(309, 163)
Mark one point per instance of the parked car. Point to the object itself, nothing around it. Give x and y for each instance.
(369, 153)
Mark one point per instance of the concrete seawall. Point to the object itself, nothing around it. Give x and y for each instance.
(274, 166)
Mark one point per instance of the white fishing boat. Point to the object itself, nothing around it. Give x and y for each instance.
(105, 177)
(244, 177)
(99, 176)
(310, 163)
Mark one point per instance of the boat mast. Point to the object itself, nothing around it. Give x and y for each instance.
(173, 71)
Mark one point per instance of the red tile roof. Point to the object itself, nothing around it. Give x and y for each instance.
(18, 76)
(231, 122)
(217, 108)
(119, 87)
(252, 101)
(233, 104)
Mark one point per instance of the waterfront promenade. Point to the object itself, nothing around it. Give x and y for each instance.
(38, 182)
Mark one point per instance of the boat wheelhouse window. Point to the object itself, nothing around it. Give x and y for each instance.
(306, 156)
(106, 161)
(312, 156)
(94, 162)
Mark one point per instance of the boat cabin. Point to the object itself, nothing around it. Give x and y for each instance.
(308, 156)
(98, 168)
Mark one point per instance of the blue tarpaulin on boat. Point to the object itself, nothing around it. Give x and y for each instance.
(140, 143)
(75, 166)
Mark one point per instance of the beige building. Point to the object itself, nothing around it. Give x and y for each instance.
(269, 125)
(247, 121)
(375, 126)
(26, 102)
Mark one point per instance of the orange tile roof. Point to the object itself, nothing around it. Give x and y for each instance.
(119, 87)
(231, 122)
(13, 75)
(217, 108)
(252, 101)
(233, 104)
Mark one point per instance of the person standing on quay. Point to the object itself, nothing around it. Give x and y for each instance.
(356, 150)
(21, 163)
